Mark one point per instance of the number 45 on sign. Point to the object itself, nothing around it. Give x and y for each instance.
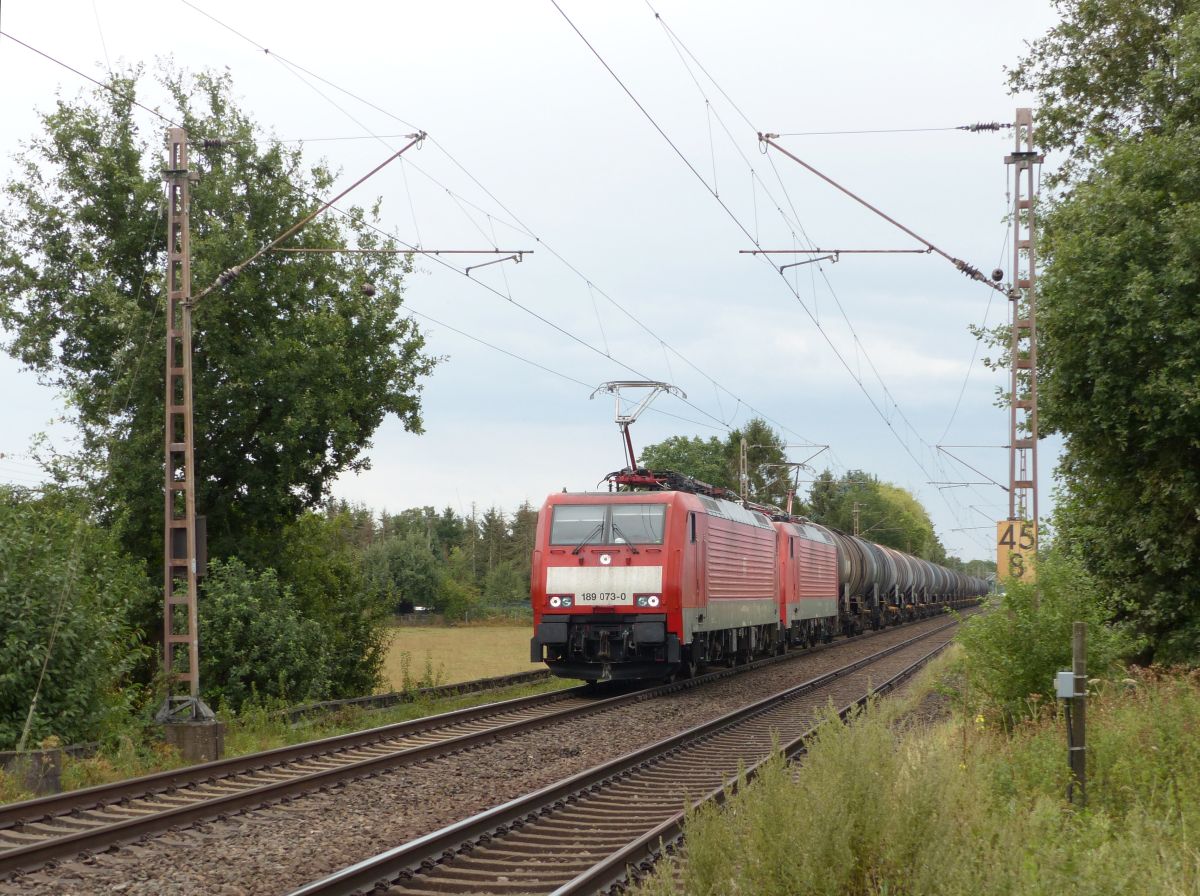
(1016, 548)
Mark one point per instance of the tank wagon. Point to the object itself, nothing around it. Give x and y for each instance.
(649, 583)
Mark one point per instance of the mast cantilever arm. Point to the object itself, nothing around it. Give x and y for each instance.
(967, 269)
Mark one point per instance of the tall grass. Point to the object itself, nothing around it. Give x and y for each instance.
(966, 808)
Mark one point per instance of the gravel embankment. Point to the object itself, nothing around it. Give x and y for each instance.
(277, 849)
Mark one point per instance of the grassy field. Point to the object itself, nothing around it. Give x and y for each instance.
(422, 654)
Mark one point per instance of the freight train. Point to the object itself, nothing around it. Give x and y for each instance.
(667, 574)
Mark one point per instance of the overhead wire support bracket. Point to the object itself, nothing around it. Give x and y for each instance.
(965, 268)
(942, 448)
(515, 257)
(831, 255)
(958, 484)
(925, 251)
(832, 259)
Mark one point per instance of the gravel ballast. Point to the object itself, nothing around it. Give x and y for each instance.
(276, 849)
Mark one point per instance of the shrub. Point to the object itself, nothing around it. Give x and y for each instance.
(62, 577)
(1014, 649)
(256, 642)
(324, 570)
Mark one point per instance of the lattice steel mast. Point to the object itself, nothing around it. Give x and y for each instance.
(1023, 386)
(180, 625)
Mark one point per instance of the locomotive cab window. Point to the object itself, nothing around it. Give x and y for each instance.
(581, 524)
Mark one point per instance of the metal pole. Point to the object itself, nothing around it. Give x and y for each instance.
(1023, 410)
(180, 623)
(1078, 748)
(743, 472)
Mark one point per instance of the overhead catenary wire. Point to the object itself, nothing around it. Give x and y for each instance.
(216, 141)
(746, 231)
(678, 44)
(519, 225)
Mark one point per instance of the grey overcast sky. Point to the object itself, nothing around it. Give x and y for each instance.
(534, 145)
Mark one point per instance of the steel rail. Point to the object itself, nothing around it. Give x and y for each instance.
(52, 824)
(41, 830)
(428, 853)
(614, 873)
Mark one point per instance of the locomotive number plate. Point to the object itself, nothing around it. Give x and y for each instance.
(605, 598)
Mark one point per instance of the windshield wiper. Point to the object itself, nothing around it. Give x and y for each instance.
(617, 531)
(587, 538)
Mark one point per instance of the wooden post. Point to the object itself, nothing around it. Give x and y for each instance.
(1078, 758)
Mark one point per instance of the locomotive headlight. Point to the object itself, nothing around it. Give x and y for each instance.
(566, 601)
(556, 601)
(652, 600)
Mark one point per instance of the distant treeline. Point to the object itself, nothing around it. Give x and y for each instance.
(458, 565)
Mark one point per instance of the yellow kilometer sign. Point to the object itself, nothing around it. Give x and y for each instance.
(1016, 548)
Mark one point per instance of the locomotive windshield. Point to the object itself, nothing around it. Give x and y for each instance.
(580, 524)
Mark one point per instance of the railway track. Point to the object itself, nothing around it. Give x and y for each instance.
(582, 834)
(41, 830)
(36, 832)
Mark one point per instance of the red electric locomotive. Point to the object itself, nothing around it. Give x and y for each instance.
(641, 584)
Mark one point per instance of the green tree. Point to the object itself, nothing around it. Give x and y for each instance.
(703, 459)
(766, 468)
(296, 363)
(1119, 340)
(1120, 367)
(506, 587)
(66, 594)
(458, 596)
(1109, 72)
(887, 514)
(403, 571)
(719, 462)
(523, 537)
(493, 534)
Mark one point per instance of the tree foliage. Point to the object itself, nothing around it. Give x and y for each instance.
(887, 514)
(258, 642)
(719, 462)
(704, 459)
(66, 593)
(1121, 368)
(320, 563)
(295, 364)
(464, 567)
(1109, 72)
(1119, 339)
